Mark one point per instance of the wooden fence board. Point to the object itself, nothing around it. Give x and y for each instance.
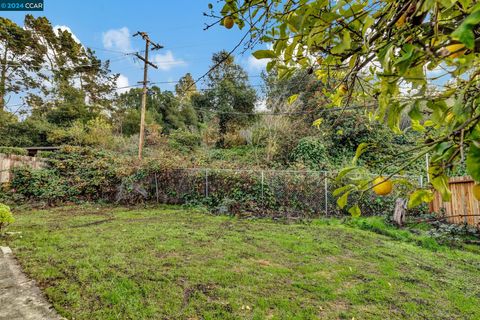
(463, 207)
(8, 162)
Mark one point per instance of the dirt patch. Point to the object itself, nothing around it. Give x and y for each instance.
(94, 223)
(206, 289)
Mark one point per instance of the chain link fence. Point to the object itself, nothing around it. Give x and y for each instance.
(257, 192)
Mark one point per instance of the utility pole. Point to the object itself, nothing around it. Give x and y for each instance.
(155, 46)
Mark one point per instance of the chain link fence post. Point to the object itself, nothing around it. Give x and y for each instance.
(326, 192)
(263, 181)
(206, 183)
(156, 186)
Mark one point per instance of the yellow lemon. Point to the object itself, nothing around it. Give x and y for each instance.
(456, 50)
(476, 191)
(382, 187)
(228, 22)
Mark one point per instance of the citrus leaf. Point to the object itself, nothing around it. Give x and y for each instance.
(464, 33)
(342, 201)
(292, 98)
(344, 172)
(264, 54)
(473, 162)
(355, 211)
(341, 190)
(439, 181)
(317, 123)
(420, 196)
(362, 147)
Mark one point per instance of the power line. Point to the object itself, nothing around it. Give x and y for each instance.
(298, 113)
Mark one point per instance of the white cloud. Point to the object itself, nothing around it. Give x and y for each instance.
(117, 39)
(122, 82)
(65, 28)
(261, 105)
(167, 61)
(257, 64)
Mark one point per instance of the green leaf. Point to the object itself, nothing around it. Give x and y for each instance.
(264, 54)
(464, 33)
(344, 172)
(344, 45)
(420, 196)
(292, 98)
(341, 190)
(355, 211)
(473, 162)
(415, 113)
(417, 126)
(439, 181)
(369, 20)
(362, 147)
(342, 201)
(317, 123)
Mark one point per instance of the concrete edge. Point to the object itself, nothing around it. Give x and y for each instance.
(6, 250)
(22, 298)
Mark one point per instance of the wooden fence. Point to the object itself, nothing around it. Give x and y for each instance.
(463, 207)
(8, 162)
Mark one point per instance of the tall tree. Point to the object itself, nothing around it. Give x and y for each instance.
(229, 95)
(163, 108)
(21, 56)
(186, 86)
(70, 74)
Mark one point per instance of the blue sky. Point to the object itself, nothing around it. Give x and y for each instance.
(107, 27)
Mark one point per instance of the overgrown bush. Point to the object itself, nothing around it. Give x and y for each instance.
(74, 173)
(96, 132)
(184, 140)
(41, 185)
(312, 152)
(13, 150)
(6, 217)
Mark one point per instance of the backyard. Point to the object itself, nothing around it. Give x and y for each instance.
(170, 262)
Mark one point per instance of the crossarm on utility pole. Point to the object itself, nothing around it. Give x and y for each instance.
(146, 61)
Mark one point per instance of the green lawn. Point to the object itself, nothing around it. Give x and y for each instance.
(172, 263)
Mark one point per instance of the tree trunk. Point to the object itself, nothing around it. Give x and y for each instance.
(400, 211)
(3, 80)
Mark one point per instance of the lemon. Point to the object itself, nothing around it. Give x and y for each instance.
(382, 187)
(476, 191)
(228, 22)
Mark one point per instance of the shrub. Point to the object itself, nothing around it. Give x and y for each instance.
(312, 152)
(13, 150)
(74, 173)
(234, 139)
(6, 217)
(184, 139)
(96, 132)
(41, 185)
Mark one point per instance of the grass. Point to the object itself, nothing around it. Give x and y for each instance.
(174, 263)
